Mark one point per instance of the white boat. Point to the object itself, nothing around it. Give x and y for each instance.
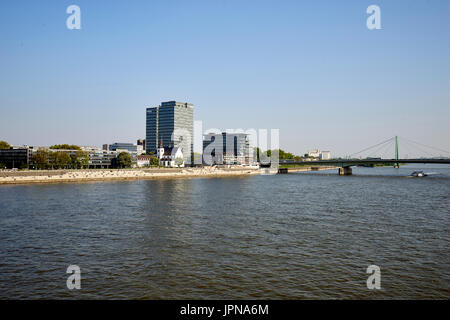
(418, 174)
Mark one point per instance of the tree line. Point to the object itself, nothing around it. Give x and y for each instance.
(282, 155)
(44, 159)
(65, 147)
(55, 158)
(4, 145)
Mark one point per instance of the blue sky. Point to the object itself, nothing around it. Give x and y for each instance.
(310, 68)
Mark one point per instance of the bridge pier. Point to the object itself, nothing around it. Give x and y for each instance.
(345, 171)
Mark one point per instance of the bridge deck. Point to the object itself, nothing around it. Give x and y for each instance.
(355, 162)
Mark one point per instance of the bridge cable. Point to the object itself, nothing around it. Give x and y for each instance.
(423, 145)
(414, 147)
(383, 147)
(389, 150)
(409, 151)
(390, 139)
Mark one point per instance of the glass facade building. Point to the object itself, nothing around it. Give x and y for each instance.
(123, 146)
(226, 148)
(15, 157)
(171, 123)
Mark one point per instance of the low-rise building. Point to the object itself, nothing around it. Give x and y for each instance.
(325, 155)
(15, 157)
(143, 161)
(136, 149)
(315, 153)
(170, 157)
(100, 158)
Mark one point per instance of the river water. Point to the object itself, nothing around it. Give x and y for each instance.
(293, 236)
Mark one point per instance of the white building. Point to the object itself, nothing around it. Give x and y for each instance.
(170, 157)
(325, 155)
(143, 161)
(314, 153)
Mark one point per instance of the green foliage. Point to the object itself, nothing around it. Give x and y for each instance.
(79, 160)
(124, 160)
(2, 166)
(41, 159)
(23, 165)
(260, 153)
(285, 155)
(282, 155)
(179, 161)
(257, 151)
(4, 145)
(154, 161)
(65, 147)
(60, 160)
(44, 159)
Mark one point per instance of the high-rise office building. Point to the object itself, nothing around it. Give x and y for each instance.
(226, 148)
(171, 123)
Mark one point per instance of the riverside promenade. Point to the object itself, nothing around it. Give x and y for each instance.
(52, 176)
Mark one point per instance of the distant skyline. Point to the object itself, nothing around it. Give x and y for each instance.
(309, 68)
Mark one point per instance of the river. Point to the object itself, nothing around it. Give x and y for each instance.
(293, 236)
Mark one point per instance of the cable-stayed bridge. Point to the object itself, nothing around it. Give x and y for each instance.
(376, 155)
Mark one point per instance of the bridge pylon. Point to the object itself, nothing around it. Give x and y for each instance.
(396, 165)
(345, 171)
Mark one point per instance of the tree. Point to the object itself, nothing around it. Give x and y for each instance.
(124, 160)
(179, 161)
(282, 155)
(65, 147)
(257, 151)
(40, 159)
(80, 159)
(154, 161)
(4, 145)
(260, 153)
(23, 165)
(285, 155)
(196, 158)
(59, 159)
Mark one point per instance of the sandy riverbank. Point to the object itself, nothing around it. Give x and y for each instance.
(52, 176)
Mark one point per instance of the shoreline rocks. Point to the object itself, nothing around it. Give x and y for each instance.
(126, 174)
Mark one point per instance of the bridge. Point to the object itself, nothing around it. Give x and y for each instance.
(345, 164)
